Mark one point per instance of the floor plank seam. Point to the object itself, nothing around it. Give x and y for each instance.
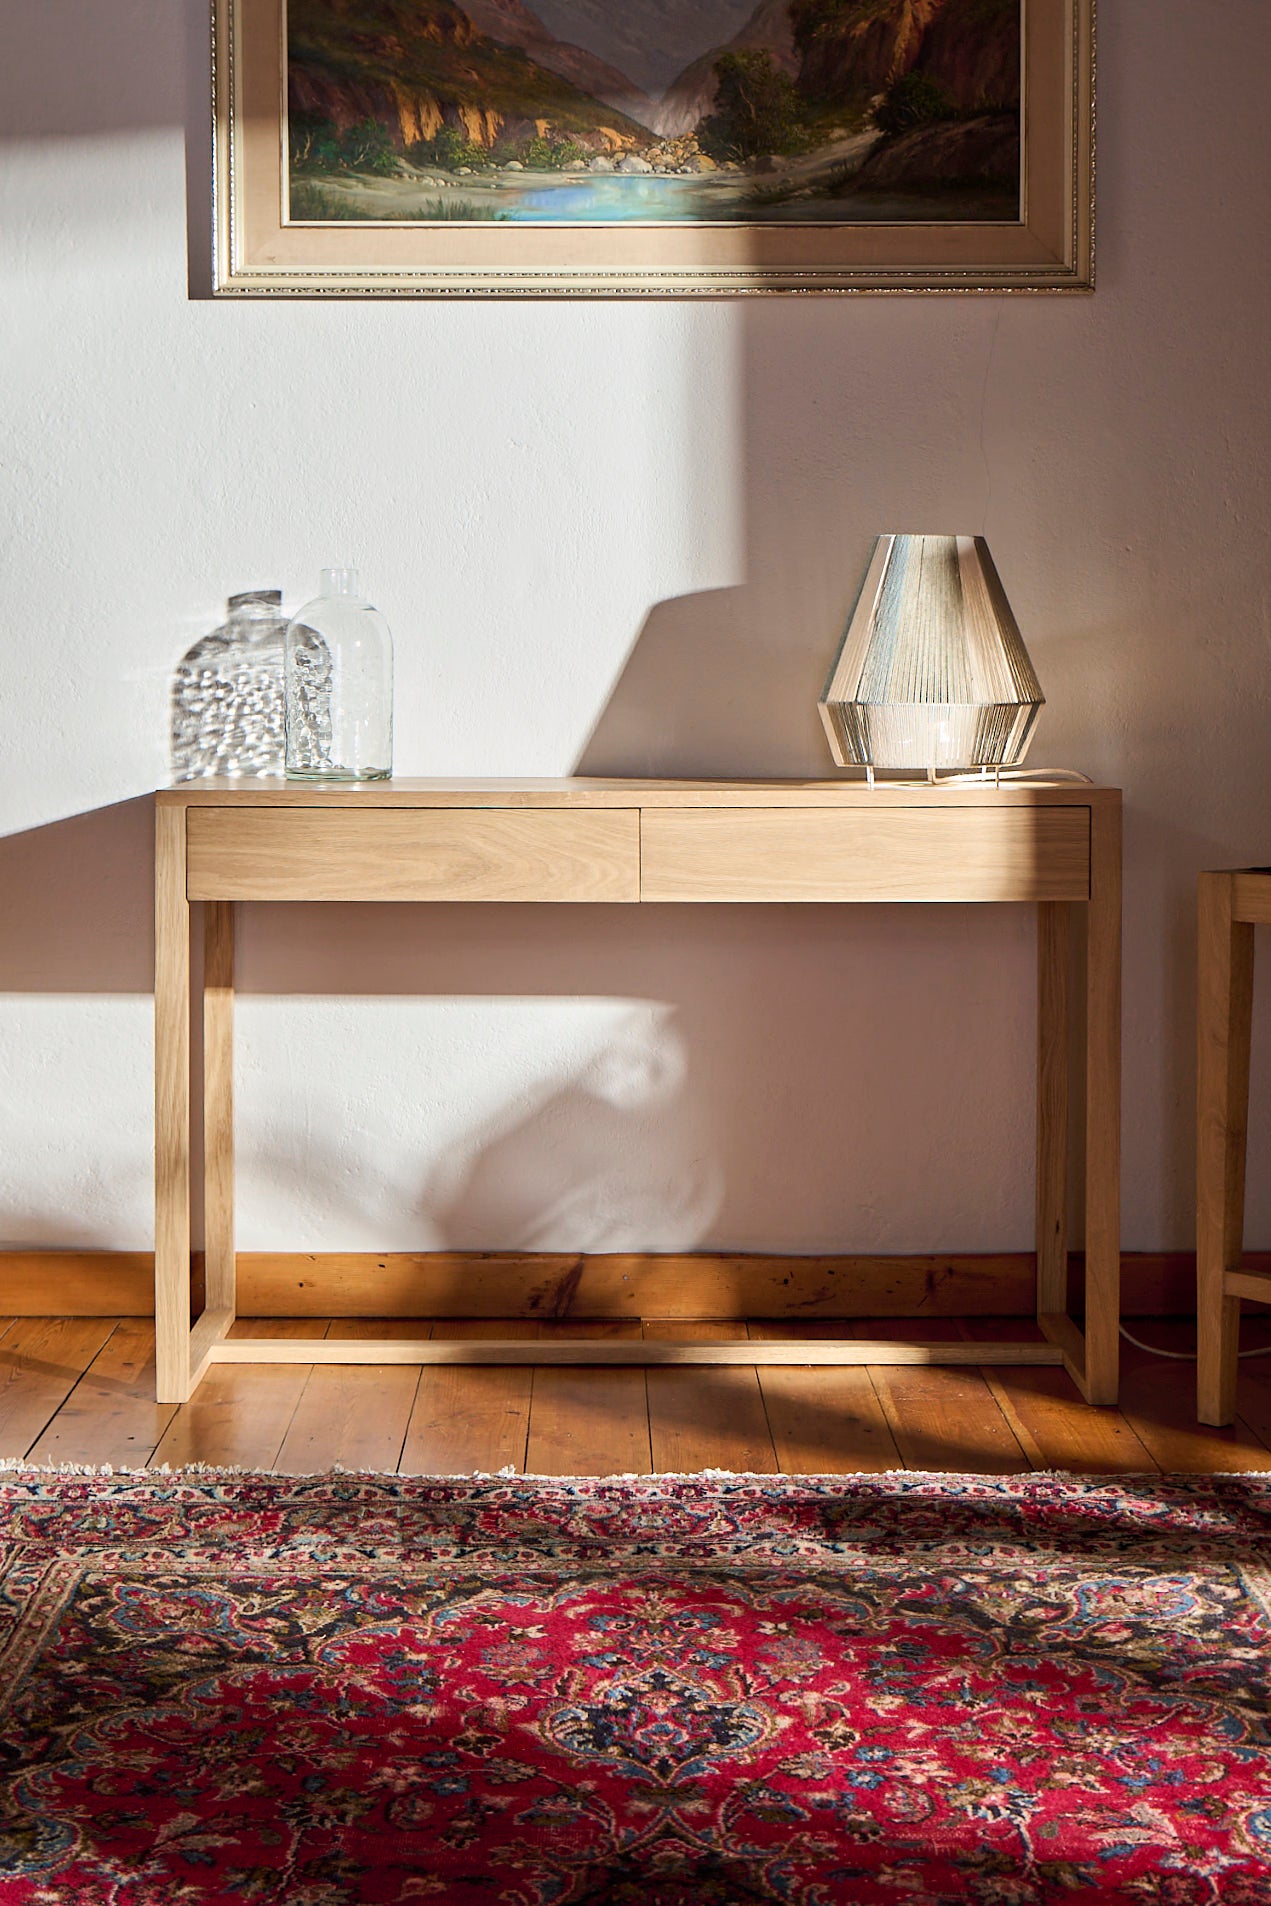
(767, 1414)
(47, 1425)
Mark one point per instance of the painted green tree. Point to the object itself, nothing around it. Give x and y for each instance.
(757, 109)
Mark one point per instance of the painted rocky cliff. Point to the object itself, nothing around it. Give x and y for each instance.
(970, 48)
(942, 79)
(414, 66)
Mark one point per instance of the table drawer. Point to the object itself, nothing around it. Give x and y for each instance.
(918, 853)
(258, 853)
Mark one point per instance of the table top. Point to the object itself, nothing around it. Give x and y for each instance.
(580, 792)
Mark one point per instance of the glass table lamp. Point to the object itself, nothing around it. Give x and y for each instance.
(932, 674)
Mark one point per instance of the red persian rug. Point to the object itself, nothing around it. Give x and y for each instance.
(902, 1690)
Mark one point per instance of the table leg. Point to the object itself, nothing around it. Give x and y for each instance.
(1224, 1011)
(218, 1104)
(1054, 1045)
(172, 1108)
(1103, 1107)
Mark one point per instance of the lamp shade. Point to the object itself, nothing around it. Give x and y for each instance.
(932, 672)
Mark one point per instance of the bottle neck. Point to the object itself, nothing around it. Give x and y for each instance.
(340, 582)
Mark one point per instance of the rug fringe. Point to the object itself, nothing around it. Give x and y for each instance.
(9, 1465)
(16, 1465)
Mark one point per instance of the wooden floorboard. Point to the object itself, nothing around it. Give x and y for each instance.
(824, 1421)
(1052, 1426)
(239, 1416)
(707, 1416)
(589, 1421)
(354, 1415)
(1253, 1389)
(1158, 1400)
(81, 1390)
(111, 1415)
(471, 1417)
(942, 1418)
(41, 1361)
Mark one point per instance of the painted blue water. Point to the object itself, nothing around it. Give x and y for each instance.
(610, 201)
(640, 198)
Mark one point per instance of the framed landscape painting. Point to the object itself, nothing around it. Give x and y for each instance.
(638, 147)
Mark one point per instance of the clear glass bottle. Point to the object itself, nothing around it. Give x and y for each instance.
(227, 694)
(339, 686)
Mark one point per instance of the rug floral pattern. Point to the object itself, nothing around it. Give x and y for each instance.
(900, 1691)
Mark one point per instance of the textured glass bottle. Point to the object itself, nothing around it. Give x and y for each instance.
(339, 686)
(227, 694)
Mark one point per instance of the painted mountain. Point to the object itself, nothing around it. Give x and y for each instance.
(692, 96)
(652, 40)
(512, 24)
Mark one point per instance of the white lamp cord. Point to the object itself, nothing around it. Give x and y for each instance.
(981, 777)
(1183, 1356)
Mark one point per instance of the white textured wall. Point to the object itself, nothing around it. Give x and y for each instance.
(624, 536)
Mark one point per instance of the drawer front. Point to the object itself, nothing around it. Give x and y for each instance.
(258, 853)
(918, 853)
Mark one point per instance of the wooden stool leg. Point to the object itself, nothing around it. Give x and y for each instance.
(1224, 1010)
(1103, 1108)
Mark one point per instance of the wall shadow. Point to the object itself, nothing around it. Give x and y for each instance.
(621, 1157)
(708, 690)
(78, 913)
(77, 69)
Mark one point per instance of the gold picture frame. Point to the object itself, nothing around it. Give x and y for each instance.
(261, 252)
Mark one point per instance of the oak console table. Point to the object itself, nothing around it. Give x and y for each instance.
(624, 843)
